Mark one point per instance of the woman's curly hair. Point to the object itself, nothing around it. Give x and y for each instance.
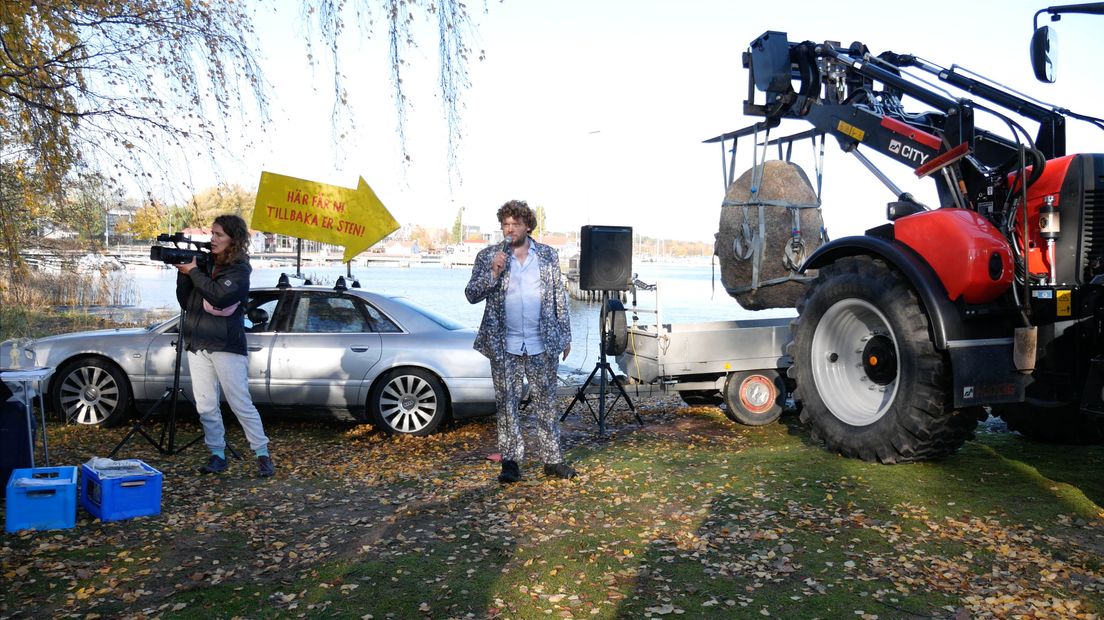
(520, 211)
(238, 231)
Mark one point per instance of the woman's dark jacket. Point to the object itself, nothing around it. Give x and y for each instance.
(228, 285)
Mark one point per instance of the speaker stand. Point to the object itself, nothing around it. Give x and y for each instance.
(606, 377)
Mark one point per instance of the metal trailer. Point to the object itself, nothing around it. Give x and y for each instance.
(740, 363)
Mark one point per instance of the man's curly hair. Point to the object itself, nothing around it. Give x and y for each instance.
(520, 211)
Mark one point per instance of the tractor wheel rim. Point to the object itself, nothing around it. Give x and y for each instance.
(855, 362)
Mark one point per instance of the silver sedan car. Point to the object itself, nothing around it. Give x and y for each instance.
(377, 358)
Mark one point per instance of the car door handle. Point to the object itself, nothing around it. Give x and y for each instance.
(360, 348)
(254, 348)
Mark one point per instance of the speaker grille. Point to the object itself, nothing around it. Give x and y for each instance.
(605, 258)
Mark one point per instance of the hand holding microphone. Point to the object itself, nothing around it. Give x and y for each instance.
(499, 262)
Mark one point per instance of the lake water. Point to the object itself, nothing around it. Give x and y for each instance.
(687, 293)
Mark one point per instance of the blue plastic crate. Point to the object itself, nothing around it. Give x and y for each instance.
(126, 497)
(49, 503)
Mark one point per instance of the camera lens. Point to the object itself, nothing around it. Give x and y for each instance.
(172, 256)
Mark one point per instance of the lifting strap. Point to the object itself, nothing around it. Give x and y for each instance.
(748, 244)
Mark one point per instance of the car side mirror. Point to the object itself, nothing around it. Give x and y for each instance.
(1044, 47)
(259, 318)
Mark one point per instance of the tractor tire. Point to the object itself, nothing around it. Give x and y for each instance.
(871, 383)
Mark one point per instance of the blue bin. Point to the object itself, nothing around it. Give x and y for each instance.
(48, 502)
(125, 497)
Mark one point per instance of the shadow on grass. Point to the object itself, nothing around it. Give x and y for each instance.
(1052, 465)
(810, 534)
(691, 511)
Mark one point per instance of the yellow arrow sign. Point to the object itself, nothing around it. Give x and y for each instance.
(355, 219)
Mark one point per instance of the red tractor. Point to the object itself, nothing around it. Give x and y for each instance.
(991, 302)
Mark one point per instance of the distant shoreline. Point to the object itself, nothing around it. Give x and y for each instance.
(134, 256)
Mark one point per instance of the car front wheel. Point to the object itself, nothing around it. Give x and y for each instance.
(91, 391)
(407, 401)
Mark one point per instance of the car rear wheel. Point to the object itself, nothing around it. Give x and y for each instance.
(407, 401)
(91, 391)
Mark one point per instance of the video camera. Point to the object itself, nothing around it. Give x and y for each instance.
(176, 255)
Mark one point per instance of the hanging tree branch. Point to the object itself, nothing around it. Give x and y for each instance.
(125, 82)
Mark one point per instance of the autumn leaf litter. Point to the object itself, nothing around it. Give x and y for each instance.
(634, 518)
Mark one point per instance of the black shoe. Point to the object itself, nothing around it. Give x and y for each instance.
(215, 465)
(511, 472)
(265, 466)
(559, 470)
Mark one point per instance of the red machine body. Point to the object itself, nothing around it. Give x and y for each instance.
(989, 302)
(968, 254)
(1049, 186)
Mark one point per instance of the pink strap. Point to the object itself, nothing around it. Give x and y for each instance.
(227, 311)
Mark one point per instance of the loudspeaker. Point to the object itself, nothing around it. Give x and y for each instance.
(605, 258)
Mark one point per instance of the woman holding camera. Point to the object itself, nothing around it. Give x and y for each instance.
(214, 296)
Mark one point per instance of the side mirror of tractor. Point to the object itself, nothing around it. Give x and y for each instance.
(1044, 48)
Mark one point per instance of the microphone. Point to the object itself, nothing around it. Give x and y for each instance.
(508, 245)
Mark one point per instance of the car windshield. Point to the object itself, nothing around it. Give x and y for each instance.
(441, 320)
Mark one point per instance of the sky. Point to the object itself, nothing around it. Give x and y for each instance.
(597, 109)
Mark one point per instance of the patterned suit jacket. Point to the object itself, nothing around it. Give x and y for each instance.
(555, 323)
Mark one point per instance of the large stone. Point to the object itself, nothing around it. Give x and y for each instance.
(784, 186)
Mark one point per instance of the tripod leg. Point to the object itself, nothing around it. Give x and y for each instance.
(139, 428)
(580, 394)
(168, 427)
(602, 397)
(628, 400)
(229, 449)
(193, 442)
(170, 447)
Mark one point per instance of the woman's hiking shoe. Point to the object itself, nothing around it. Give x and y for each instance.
(511, 472)
(559, 470)
(265, 466)
(215, 465)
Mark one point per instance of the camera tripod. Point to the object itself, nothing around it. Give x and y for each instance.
(606, 377)
(165, 443)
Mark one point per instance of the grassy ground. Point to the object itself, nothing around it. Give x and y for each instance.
(688, 516)
(23, 322)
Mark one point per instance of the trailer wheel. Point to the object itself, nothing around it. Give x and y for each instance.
(754, 397)
(871, 382)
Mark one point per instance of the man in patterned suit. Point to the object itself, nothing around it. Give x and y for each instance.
(524, 330)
